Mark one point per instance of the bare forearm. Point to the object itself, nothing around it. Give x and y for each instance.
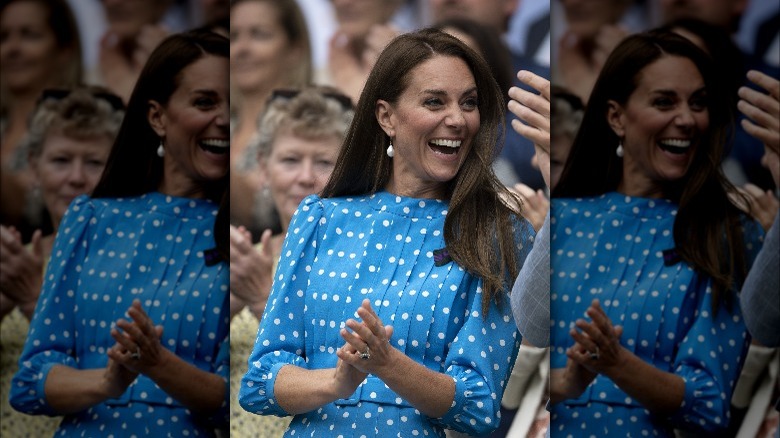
(70, 390)
(660, 392)
(299, 390)
(432, 393)
(198, 390)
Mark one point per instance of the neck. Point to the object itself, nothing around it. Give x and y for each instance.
(429, 191)
(640, 189)
(179, 188)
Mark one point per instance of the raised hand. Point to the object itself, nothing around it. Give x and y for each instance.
(763, 110)
(369, 341)
(140, 341)
(117, 377)
(347, 378)
(21, 271)
(597, 345)
(535, 204)
(533, 116)
(251, 272)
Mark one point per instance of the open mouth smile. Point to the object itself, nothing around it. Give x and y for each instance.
(675, 146)
(443, 146)
(215, 146)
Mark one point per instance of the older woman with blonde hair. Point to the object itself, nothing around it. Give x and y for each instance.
(70, 137)
(299, 138)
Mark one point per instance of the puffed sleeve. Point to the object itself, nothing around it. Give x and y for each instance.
(280, 339)
(710, 357)
(481, 358)
(51, 338)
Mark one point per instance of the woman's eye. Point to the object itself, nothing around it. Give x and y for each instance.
(663, 103)
(699, 104)
(471, 103)
(435, 101)
(204, 103)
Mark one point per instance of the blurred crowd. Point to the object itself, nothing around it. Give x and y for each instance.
(93, 51)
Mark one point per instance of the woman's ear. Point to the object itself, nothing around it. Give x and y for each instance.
(156, 117)
(615, 118)
(385, 117)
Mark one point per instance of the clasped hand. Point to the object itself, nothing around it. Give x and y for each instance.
(367, 350)
(137, 349)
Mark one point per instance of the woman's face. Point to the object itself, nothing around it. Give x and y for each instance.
(195, 125)
(69, 167)
(296, 168)
(29, 55)
(662, 123)
(127, 17)
(585, 18)
(432, 126)
(355, 17)
(261, 55)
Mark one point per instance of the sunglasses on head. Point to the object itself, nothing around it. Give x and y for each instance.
(289, 93)
(61, 93)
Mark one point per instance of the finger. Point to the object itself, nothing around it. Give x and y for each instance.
(766, 82)
(536, 136)
(770, 138)
(136, 311)
(371, 319)
(535, 103)
(265, 240)
(524, 191)
(10, 244)
(536, 82)
(759, 112)
(597, 314)
(618, 331)
(37, 243)
(134, 333)
(584, 340)
(595, 335)
(753, 190)
(123, 339)
(353, 338)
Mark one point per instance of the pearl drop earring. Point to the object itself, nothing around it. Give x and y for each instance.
(390, 150)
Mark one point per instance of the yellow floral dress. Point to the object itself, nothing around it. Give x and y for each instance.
(13, 332)
(243, 331)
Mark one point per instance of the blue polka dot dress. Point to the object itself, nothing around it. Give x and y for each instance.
(381, 247)
(107, 253)
(618, 249)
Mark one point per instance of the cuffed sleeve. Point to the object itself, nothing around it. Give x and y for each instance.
(479, 362)
(280, 338)
(711, 355)
(51, 338)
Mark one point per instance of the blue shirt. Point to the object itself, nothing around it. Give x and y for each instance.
(340, 251)
(107, 253)
(619, 249)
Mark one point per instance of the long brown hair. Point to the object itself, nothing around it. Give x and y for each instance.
(479, 230)
(706, 216)
(133, 168)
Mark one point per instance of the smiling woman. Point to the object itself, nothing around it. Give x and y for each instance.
(144, 250)
(413, 190)
(648, 252)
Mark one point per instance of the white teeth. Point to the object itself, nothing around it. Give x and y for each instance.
(216, 143)
(447, 143)
(676, 143)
